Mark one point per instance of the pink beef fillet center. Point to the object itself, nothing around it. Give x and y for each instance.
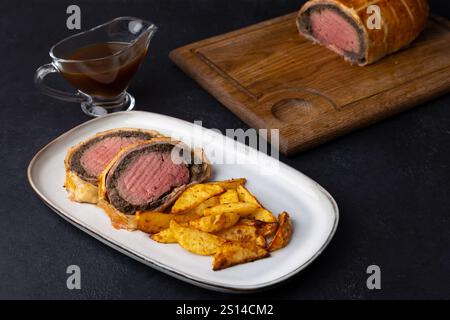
(95, 159)
(92, 157)
(332, 28)
(334, 31)
(150, 176)
(147, 177)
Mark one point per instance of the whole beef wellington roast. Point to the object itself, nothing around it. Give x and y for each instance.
(149, 176)
(346, 26)
(85, 161)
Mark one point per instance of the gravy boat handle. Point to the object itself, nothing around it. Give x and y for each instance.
(45, 70)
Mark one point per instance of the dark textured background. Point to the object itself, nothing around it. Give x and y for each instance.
(391, 180)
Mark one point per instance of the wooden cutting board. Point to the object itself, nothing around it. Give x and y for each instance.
(272, 78)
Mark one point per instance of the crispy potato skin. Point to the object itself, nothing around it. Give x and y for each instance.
(230, 196)
(240, 208)
(229, 184)
(246, 196)
(284, 233)
(268, 229)
(211, 202)
(195, 195)
(243, 233)
(233, 253)
(260, 213)
(154, 222)
(196, 241)
(215, 223)
(164, 236)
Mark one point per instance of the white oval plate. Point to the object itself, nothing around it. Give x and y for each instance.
(314, 212)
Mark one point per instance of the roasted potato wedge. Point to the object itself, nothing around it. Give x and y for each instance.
(243, 233)
(164, 236)
(230, 196)
(246, 196)
(229, 184)
(211, 202)
(182, 218)
(261, 241)
(268, 229)
(220, 219)
(154, 222)
(241, 208)
(262, 214)
(283, 234)
(233, 253)
(195, 195)
(196, 241)
(216, 222)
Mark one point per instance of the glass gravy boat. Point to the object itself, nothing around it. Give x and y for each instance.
(100, 64)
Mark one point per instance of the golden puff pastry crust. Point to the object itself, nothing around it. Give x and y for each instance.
(121, 220)
(84, 190)
(401, 22)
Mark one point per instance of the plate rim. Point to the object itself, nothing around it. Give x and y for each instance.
(161, 266)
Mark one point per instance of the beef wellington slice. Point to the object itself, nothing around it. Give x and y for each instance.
(149, 176)
(347, 27)
(85, 161)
